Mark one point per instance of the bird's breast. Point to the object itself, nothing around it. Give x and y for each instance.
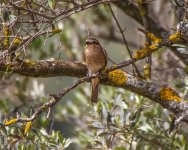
(95, 58)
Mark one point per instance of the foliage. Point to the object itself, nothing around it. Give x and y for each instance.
(121, 119)
(13, 138)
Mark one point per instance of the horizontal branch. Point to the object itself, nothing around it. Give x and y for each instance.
(167, 97)
(44, 68)
(113, 76)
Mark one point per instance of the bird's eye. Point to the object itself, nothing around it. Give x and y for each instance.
(87, 43)
(94, 42)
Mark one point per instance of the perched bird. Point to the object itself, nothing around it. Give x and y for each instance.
(96, 60)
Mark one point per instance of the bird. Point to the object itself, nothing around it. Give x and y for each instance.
(96, 61)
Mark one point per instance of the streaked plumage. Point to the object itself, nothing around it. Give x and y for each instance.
(96, 60)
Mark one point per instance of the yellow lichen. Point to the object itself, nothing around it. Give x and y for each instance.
(10, 122)
(6, 33)
(117, 76)
(27, 127)
(153, 47)
(142, 53)
(17, 41)
(6, 42)
(169, 95)
(147, 71)
(148, 49)
(145, 52)
(56, 30)
(175, 37)
(153, 38)
(29, 62)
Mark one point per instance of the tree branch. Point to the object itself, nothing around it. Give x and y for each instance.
(167, 97)
(155, 26)
(44, 68)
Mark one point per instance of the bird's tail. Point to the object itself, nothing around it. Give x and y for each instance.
(95, 88)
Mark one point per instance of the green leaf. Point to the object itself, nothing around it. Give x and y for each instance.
(183, 50)
(3, 131)
(146, 128)
(96, 125)
(52, 3)
(60, 137)
(3, 104)
(179, 45)
(103, 133)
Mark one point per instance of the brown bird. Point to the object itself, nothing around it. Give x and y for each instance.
(96, 60)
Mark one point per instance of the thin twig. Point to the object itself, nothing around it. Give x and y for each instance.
(30, 11)
(124, 39)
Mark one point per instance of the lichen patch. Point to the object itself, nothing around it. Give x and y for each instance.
(169, 95)
(117, 76)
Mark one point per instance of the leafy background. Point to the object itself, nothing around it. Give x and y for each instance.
(121, 120)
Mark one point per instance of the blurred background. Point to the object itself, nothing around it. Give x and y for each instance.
(121, 120)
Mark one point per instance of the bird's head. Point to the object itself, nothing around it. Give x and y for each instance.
(92, 41)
